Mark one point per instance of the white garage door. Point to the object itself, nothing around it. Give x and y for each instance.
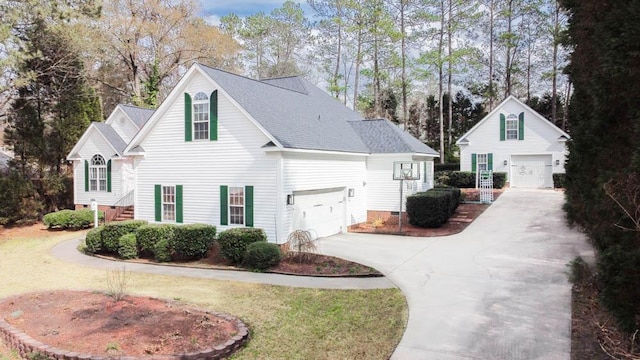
(531, 171)
(319, 211)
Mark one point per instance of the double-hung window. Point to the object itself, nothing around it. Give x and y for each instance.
(236, 205)
(201, 116)
(98, 174)
(512, 127)
(483, 162)
(168, 203)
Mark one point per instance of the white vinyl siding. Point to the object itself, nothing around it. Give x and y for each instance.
(326, 173)
(96, 144)
(122, 125)
(237, 158)
(383, 192)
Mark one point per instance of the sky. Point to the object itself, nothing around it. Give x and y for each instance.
(215, 9)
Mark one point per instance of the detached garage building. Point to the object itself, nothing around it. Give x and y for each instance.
(516, 140)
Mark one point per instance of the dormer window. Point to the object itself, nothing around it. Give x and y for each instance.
(201, 116)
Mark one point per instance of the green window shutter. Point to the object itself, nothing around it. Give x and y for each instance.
(521, 126)
(86, 175)
(473, 162)
(188, 121)
(179, 203)
(109, 176)
(503, 122)
(248, 206)
(224, 205)
(213, 116)
(490, 161)
(158, 202)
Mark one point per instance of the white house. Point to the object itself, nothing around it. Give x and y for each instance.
(223, 149)
(515, 139)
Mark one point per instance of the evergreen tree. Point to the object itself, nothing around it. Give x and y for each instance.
(604, 153)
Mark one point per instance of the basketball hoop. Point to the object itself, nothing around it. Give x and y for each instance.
(409, 172)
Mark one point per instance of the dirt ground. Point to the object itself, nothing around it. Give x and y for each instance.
(93, 323)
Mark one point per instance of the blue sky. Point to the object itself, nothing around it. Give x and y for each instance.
(218, 8)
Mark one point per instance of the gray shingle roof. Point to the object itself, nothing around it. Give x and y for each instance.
(382, 136)
(297, 113)
(139, 115)
(112, 136)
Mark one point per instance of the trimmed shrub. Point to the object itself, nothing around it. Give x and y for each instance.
(70, 219)
(192, 241)
(162, 250)
(60, 219)
(147, 236)
(127, 246)
(446, 167)
(429, 209)
(93, 240)
(83, 218)
(499, 180)
(112, 232)
(233, 242)
(467, 179)
(456, 196)
(462, 179)
(261, 255)
(559, 180)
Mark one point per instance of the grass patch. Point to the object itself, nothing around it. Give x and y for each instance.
(285, 322)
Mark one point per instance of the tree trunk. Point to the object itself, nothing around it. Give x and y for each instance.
(450, 71)
(554, 75)
(357, 70)
(507, 77)
(491, 94)
(440, 80)
(404, 71)
(565, 116)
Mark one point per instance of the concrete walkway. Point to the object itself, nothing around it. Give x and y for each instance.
(498, 290)
(67, 251)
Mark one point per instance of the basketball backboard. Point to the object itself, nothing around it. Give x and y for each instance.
(406, 170)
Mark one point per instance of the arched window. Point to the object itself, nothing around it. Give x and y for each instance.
(98, 174)
(201, 116)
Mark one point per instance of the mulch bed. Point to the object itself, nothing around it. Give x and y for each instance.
(465, 214)
(95, 324)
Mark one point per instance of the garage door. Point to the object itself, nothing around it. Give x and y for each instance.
(531, 171)
(319, 211)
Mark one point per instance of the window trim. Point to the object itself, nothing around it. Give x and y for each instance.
(98, 174)
(514, 129)
(479, 156)
(242, 208)
(165, 204)
(198, 105)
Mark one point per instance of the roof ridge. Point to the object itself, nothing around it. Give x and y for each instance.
(261, 81)
(136, 106)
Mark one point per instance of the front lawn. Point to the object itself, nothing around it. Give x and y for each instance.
(285, 323)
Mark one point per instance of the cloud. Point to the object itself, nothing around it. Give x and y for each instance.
(219, 8)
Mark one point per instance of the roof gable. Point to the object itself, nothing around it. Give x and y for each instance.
(107, 132)
(463, 140)
(295, 112)
(138, 115)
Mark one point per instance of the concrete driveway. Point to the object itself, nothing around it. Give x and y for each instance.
(498, 290)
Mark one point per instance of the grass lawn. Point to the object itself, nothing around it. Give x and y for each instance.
(285, 323)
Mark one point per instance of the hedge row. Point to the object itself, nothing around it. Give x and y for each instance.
(71, 219)
(559, 180)
(432, 208)
(446, 167)
(166, 242)
(467, 179)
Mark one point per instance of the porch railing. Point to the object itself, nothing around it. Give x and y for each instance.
(126, 200)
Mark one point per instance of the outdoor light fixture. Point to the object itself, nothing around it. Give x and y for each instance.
(557, 162)
(290, 199)
(505, 163)
(352, 192)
